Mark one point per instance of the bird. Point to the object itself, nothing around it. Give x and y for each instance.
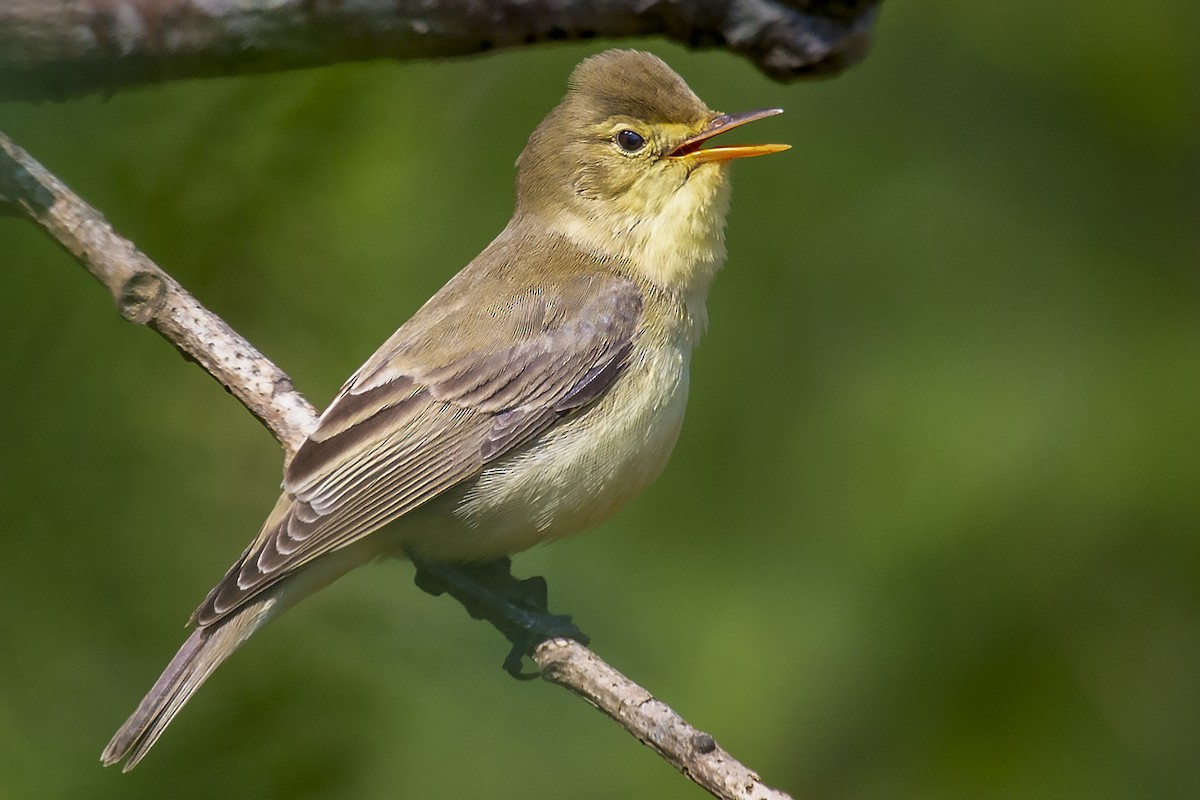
(535, 394)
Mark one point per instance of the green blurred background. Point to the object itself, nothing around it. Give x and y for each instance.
(930, 531)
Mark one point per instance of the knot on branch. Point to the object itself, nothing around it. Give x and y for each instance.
(141, 297)
(792, 39)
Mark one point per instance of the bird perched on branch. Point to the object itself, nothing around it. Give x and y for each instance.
(536, 393)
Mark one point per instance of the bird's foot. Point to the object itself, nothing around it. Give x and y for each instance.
(516, 607)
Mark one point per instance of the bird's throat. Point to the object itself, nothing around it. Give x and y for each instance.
(670, 236)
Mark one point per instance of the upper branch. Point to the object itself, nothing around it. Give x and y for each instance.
(74, 47)
(148, 296)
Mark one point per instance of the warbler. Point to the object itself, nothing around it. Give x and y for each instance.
(539, 391)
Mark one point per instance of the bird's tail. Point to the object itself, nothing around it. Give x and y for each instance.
(202, 653)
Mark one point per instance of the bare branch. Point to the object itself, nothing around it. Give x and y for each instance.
(74, 47)
(653, 723)
(148, 296)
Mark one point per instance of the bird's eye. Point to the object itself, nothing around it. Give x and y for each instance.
(630, 141)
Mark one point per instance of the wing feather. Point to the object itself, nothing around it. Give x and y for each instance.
(407, 427)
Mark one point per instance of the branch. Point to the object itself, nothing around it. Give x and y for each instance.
(693, 752)
(146, 295)
(75, 47)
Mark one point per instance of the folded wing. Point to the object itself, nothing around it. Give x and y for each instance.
(451, 391)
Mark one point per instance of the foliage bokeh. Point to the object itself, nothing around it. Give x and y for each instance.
(931, 529)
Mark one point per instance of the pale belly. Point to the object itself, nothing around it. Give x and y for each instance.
(573, 478)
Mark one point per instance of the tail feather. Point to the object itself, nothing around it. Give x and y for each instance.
(202, 653)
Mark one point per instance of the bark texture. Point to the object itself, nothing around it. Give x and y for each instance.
(51, 50)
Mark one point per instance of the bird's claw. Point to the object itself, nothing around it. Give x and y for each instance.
(516, 607)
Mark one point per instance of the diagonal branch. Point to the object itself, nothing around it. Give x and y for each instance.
(74, 47)
(655, 724)
(146, 295)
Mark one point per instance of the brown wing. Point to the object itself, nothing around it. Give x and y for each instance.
(452, 390)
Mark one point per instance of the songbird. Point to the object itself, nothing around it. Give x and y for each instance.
(539, 391)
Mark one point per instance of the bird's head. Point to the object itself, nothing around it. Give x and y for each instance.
(622, 166)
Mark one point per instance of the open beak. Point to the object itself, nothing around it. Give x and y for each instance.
(691, 148)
